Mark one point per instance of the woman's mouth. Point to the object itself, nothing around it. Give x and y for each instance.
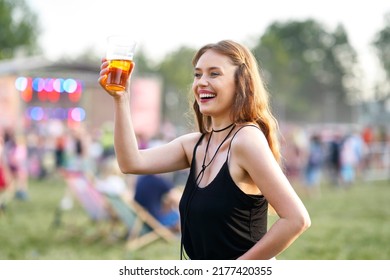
(206, 96)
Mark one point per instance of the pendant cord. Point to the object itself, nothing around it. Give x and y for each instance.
(204, 166)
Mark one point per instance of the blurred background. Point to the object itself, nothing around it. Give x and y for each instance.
(326, 66)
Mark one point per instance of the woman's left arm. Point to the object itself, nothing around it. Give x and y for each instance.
(254, 156)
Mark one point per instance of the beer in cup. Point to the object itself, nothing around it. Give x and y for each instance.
(120, 52)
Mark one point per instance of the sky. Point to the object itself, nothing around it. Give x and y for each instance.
(70, 27)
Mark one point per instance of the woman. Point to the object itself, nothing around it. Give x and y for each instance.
(233, 160)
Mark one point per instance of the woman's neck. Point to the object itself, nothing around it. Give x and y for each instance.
(217, 130)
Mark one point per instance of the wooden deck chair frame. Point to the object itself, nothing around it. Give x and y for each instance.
(143, 227)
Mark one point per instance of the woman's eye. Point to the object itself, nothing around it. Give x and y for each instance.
(197, 75)
(213, 74)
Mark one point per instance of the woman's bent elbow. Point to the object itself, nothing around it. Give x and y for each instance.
(126, 169)
(304, 223)
(301, 223)
(132, 171)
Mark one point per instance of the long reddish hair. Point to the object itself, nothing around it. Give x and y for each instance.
(251, 103)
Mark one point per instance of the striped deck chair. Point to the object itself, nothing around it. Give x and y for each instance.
(90, 199)
(143, 228)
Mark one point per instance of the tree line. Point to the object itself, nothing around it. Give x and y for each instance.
(312, 74)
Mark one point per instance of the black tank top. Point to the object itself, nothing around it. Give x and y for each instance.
(220, 221)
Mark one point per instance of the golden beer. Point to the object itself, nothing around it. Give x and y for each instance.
(118, 73)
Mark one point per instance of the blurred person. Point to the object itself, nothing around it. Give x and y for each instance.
(158, 195)
(16, 157)
(333, 159)
(315, 160)
(233, 160)
(46, 156)
(351, 155)
(34, 155)
(107, 140)
(368, 135)
(95, 152)
(77, 150)
(5, 177)
(293, 151)
(59, 151)
(112, 181)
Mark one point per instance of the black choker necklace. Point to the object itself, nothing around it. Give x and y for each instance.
(222, 129)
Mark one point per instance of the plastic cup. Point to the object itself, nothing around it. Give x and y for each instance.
(120, 53)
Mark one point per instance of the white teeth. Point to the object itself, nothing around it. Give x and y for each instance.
(206, 95)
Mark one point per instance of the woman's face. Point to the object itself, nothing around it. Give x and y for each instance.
(214, 85)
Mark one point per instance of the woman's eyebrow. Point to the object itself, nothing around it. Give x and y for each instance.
(209, 68)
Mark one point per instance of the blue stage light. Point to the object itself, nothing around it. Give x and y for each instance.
(37, 113)
(38, 84)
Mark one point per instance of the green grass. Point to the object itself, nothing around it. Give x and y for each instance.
(346, 224)
(27, 231)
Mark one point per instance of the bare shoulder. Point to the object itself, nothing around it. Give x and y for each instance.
(189, 139)
(250, 145)
(248, 137)
(188, 142)
(252, 157)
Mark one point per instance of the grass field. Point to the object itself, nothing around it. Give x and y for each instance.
(347, 224)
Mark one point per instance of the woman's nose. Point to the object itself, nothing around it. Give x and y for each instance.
(203, 80)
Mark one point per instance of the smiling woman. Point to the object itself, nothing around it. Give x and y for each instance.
(233, 161)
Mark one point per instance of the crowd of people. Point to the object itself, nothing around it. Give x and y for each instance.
(335, 155)
(40, 153)
(311, 157)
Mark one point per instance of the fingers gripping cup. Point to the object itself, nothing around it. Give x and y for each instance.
(120, 52)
